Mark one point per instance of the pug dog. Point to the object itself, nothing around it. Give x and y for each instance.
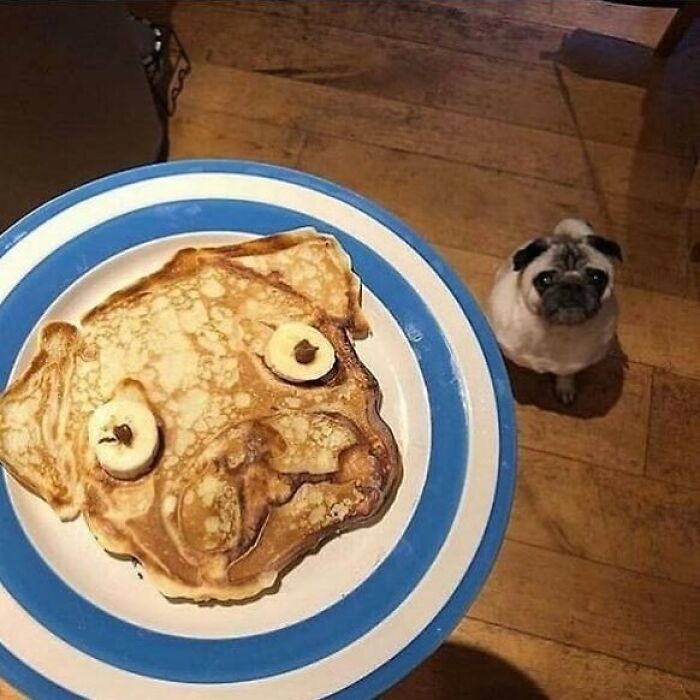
(552, 306)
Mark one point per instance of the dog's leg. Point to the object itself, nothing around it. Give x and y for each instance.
(565, 388)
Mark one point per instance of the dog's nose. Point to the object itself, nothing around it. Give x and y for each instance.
(571, 295)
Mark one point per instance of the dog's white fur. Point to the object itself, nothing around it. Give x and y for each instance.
(529, 340)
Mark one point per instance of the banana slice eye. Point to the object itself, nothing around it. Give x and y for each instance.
(124, 436)
(298, 352)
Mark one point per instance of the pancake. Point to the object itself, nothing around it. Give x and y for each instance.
(253, 471)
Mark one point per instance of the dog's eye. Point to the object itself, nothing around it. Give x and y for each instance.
(544, 279)
(597, 277)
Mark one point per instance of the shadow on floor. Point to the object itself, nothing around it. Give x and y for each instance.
(670, 125)
(455, 672)
(672, 87)
(613, 59)
(598, 388)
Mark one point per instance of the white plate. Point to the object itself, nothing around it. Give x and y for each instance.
(353, 618)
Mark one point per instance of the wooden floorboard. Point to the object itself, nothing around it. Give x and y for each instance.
(594, 606)
(510, 148)
(632, 522)
(660, 330)
(674, 429)
(474, 28)
(693, 290)
(7, 692)
(488, 211)
(427, 23)
(497, 88)
(604, 18)
(607, 425)
(197, 133)
(500, 663)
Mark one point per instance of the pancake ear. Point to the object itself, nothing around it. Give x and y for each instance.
(526, 255)
(609, 248)
(34, 438)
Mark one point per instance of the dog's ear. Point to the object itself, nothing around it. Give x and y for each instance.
(526, 255)
(609, 248)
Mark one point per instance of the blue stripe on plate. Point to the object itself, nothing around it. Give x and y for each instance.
(26, 576)
(21, 676)
(430, 638)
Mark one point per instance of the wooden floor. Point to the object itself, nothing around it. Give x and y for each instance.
(482, 124)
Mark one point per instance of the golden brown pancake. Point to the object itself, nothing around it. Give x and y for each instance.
(253, 472)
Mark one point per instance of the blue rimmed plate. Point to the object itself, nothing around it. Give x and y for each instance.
(350, 620)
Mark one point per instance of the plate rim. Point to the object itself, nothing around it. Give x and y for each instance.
(141, 657)
(487, 552)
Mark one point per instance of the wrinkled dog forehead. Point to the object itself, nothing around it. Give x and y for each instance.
(569, 255)
(560, 253)
(571, 247)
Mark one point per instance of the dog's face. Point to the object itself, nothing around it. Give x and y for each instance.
(567, 277)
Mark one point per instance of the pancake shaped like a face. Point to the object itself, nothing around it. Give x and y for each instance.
(253, 471)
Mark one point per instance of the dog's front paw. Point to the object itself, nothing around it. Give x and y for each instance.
(565, 388)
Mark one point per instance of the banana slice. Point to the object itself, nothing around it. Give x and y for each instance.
(299, 353)
(124, 435)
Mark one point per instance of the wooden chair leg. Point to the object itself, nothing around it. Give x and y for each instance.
(677, 28)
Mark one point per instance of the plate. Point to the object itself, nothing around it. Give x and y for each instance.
(348, 621)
